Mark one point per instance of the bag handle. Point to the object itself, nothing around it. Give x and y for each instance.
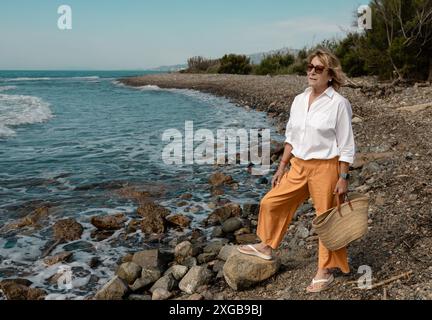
(339, 204)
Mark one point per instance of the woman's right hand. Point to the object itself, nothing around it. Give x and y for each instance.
(277, 177)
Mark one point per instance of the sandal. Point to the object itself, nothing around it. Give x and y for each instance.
(326, 283)
(255, 252)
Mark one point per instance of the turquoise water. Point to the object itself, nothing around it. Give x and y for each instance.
(72, 138)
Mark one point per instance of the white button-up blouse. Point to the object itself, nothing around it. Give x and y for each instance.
(323, 132)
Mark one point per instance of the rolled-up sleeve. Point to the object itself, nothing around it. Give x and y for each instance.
(344, 133)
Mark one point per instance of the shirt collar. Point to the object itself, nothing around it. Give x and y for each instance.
(329, 91)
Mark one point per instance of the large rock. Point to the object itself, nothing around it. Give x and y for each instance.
(60, 257)
(114, 289)
(129, 272)
(246, 238)
(196, 277)
(161, 294)
(148, 276)
(219, 215)
(112, 222)
(232, 224)
(250, 209)
(226, 251)
(179, 220)
(183, 250)
(67, 230)
(243, 271)
(166, 282)
(214, 247)
(151, 258)
(178, 271)
(33, 219)
(153, 218)
(19, 289)
(219, 178)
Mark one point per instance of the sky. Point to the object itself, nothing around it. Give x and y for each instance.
(142, 34)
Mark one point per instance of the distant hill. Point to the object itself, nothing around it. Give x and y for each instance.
(255, 59)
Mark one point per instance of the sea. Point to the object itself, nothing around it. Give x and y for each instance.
(73, 139)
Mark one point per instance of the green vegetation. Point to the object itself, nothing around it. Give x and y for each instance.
(398, 47)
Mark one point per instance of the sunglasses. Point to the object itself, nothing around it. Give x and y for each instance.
(318, 69)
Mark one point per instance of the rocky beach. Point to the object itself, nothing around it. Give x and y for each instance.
(392, 127)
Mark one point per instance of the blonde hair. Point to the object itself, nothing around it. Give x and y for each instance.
(330, 61)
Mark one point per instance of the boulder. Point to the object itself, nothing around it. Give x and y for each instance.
(226, 251)
(183, 250)
(148, 276)
(60, 257)
(231, 225)
(246, 238)
(166, 282)
(151, 258)
(219, 215)
(114, 289)
(243, 271)
(161, 294)
(179, 220)
(178, 271)
(111, 222)
(129, 272)
(153, 218)
(196, 277)
(67, 230)
(219, 178)
(19, 289)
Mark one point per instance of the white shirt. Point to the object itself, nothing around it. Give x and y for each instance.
(325, 131)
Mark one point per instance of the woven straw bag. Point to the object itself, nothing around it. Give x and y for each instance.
(341, 225)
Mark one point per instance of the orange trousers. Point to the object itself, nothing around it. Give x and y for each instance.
(316, 178)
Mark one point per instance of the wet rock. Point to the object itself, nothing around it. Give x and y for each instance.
(114, 289)
(33, 219)
(67, 230)
(80, 245)
(217, 191)
(219, 178)
(166, 282)
(61, 257)
(161, 294)
(231, 225)
(22, 292)
(183, 250)
(151, 258)
(153, 217)
(133, 226)
(129, 272)
(179, 220)
(262, 180)
(219, 215)
(111, 222)
(196, 277)
(242, 271)
(250, 210)
(100, 235)
(186, 196)
(177, 271)
(195, 297)
(181, 203)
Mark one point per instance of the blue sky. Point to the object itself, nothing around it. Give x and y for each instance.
(132, 34)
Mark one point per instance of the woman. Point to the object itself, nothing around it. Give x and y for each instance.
(320, 147)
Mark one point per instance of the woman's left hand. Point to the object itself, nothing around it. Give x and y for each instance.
(341, 187)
